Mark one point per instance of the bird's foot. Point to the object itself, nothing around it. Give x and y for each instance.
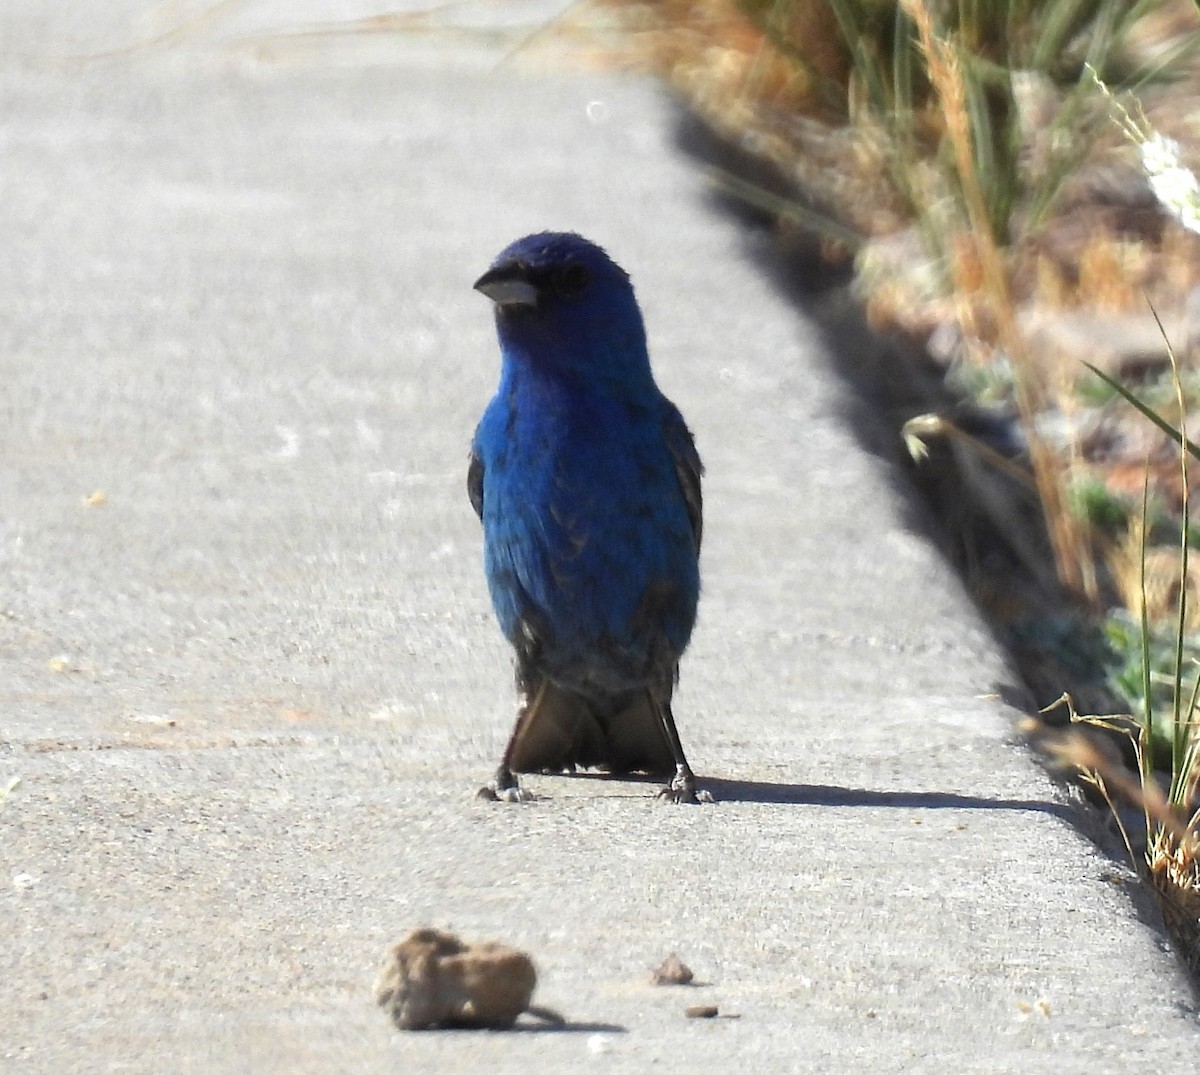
(505, 795)
(505, 789)
(682, 788)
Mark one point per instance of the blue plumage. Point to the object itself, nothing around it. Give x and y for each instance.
(587, 482)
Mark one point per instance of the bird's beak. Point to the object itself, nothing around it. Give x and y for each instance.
(507, 285)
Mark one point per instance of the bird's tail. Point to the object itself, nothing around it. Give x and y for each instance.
(562, 730)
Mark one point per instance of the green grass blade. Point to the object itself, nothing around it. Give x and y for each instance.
(1178, 729)
(1184, 775)
(1180, 726)
(1058, 24)
(866, 65)
(1156, 418)
(1146, 755)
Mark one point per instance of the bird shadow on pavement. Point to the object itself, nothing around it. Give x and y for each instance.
(567, 1027)
(761, 791)
(544, 1026)
(725, 790)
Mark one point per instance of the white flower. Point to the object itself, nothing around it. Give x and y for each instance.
(1176, 187)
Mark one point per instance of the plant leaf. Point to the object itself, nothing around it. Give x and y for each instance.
(1153, 415)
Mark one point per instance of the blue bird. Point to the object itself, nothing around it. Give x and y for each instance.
(587, 482)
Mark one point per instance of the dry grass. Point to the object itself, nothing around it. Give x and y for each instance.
(981, 273)
(1170, 852)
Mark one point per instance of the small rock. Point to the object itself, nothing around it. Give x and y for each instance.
(672, 971)
(432, 979)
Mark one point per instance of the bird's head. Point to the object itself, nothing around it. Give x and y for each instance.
(563, 303)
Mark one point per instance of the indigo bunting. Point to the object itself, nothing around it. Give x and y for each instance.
(587, 482)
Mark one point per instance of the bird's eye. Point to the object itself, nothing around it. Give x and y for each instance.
(570, 279)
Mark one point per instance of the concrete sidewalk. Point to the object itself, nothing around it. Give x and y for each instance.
(250, 689)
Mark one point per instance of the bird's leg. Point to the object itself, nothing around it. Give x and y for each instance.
(504, 786)
(682, 788)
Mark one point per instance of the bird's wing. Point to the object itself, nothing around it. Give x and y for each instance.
(688, 468)
(475, 483)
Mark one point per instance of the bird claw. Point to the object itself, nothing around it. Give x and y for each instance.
(682, 789)
(505, 789)
(505, 795)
